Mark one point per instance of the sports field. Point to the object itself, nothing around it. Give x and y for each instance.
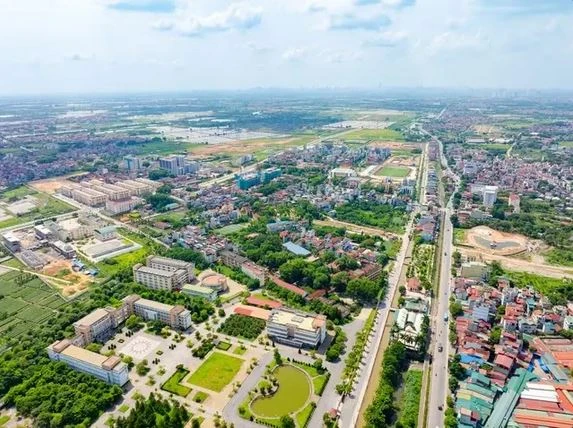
(216, 372)
(27, 303)
(393, 171)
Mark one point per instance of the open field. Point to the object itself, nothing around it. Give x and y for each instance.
(216, 372)
(51, 185)
(293, 393)
(63, 269)
(566, 144)
(45, 206)
(384, 134)
(259, 147)
(496, 242)
(393, 171)
(27, 302)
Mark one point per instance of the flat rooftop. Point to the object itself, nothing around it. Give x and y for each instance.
(163, 307)
(92, 317)
(301, 321)
(154, 271)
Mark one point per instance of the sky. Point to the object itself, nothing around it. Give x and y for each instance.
(86, 46)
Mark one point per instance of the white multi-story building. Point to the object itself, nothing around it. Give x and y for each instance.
(162, 273)
(174, 316)
(171, 265)
(296, 328)
(158, 279)
(109, 369)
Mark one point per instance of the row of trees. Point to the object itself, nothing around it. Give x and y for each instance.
(380, 413)
(155, 412)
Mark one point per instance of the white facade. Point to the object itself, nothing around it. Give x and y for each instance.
(296, 328)
(109, 369)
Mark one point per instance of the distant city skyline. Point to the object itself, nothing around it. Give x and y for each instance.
(106, 46)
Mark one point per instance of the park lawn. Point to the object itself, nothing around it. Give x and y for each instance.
(385, 134)
(393, 171)
(4, 419)
(172, 384)
(319, 383)
(240, 350)
(230, 229)
(303, 417)
(291, 396)
(223, 346)
(123, 408)
(216, 372)
(200, 397)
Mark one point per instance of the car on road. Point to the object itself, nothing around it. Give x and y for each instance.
(440, 348)
(445, 317)
(440, 407)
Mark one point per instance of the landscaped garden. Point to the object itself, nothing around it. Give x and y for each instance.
(216, 372)
(286, 391)
(173, 384)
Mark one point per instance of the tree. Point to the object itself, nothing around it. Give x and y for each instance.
(287, 422)
(456, 309)
(317, 364)
(134, 322)
(278, 358)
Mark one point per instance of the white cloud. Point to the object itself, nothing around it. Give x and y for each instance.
(340, 56)
(354, 22)
(295, 54)
(239, 16)
(453, 41)
(387, 39)
(78, 57)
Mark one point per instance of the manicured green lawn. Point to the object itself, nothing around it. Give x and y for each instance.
(240, 350)
(200, 397)
(172, 384)
(223, 346)
(216, 372)
(292, 394)
(123, 408)
(303, 417)
(394, 171)
(319, 383)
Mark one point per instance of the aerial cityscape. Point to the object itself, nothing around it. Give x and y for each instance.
(365, 255)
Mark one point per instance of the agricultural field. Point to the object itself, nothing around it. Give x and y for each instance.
(41, 206)
(25, 302)
(216, 372)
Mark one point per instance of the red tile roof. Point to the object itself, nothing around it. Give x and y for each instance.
(262, 303)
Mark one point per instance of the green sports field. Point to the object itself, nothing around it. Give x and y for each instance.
(394, 171)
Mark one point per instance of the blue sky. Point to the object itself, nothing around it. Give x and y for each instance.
(155, 45)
